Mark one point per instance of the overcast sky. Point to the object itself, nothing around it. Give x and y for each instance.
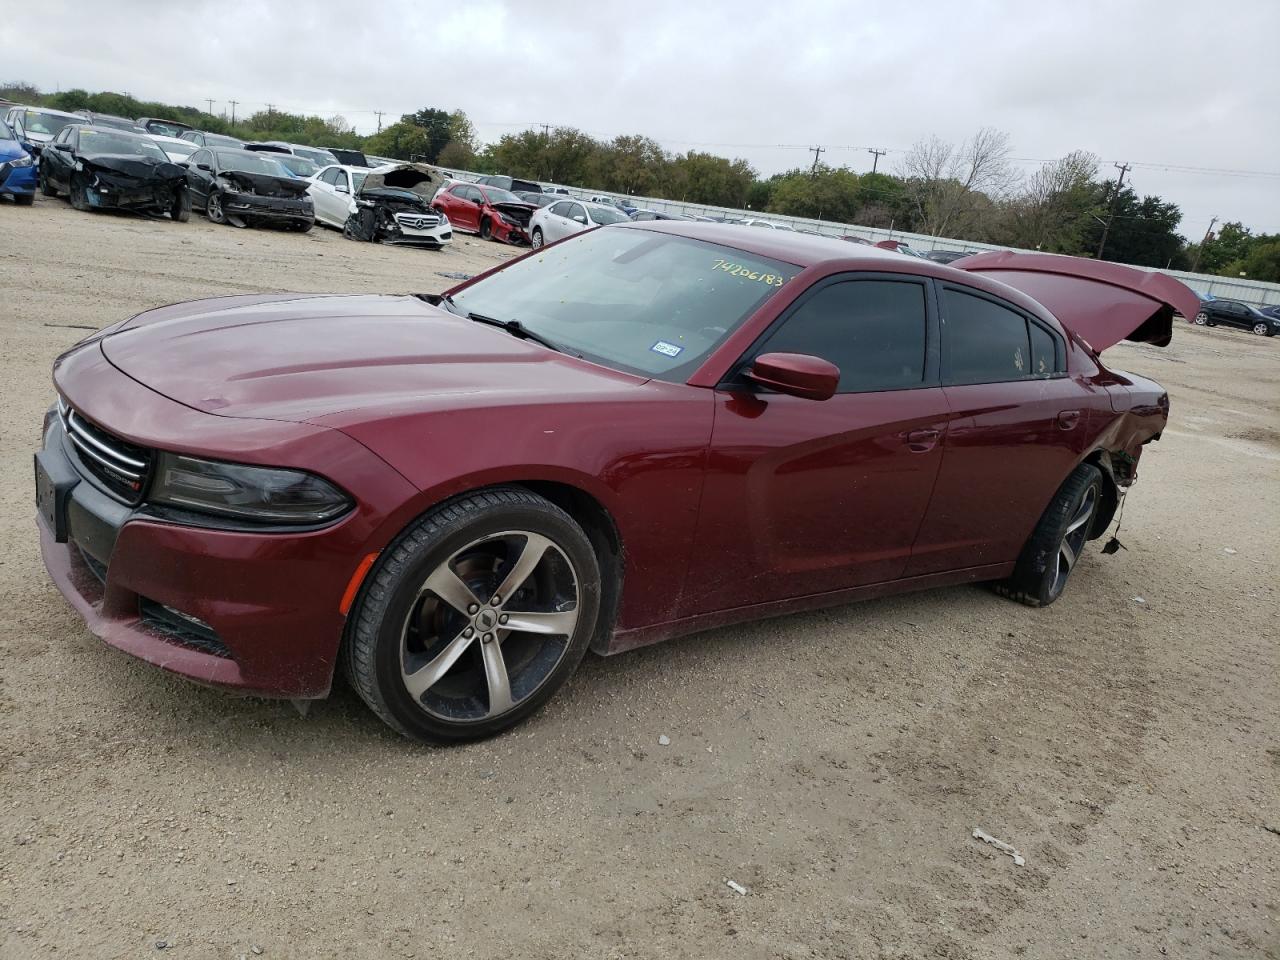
(1163, 84)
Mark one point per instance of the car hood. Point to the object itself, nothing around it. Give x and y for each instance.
(142, 168)
(1103, 303)
(418, 178)
(10, 150)
(266, 184)
(307, 357)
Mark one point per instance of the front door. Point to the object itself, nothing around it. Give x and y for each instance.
(805, 497)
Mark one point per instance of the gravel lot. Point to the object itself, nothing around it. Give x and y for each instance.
(834, 764)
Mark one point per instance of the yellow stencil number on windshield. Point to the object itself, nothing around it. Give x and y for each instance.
(738, 270)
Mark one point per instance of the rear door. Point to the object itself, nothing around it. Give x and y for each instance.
(1019, 423)
(802, 496)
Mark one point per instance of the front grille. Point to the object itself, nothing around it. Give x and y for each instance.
(120, 466)
(418, 221)
(181, 629)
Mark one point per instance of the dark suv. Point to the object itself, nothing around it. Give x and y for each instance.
(1233, 313)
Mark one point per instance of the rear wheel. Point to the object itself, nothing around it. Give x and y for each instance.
(537, 237)
(1056, 543)
(181, 209)
(24, 199)
(214, 209)
(475, 617)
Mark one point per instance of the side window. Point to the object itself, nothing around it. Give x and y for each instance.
(873, 330)
(1044, 351)
(577, 210)
(330, 176)
(984, 342)
(199, 157)
(561, 209)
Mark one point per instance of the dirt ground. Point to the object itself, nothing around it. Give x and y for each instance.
(833, 764)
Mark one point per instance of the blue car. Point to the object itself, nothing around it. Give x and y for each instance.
(17, 167)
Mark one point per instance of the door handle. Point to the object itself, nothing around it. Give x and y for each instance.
(922, 441)
(1067, 419)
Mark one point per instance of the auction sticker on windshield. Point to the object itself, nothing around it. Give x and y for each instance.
(666, 349)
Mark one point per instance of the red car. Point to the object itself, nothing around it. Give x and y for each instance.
(633, 434)
(492, 212)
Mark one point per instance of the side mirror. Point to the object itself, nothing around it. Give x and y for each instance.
(184, 164)
(64, 147)
(340, 188)
(204, 166)
(579, 218)
(29, 147)
(796, 374)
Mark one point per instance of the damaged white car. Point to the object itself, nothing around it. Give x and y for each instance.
(389, 204)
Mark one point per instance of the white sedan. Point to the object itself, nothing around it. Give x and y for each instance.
(333, 193)
(566, 217)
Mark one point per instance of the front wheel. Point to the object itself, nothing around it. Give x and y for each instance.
(1262, 329)
(1202, 318)
(486, 229)
(1056, 543)
(536, 240)
(46, 187)
(214, 209)
(79, 193)
(24, 199)
(474, 617)
(180, 211)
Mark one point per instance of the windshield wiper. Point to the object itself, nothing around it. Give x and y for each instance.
(516, 329)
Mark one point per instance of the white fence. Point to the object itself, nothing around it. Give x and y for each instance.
(1233, 288)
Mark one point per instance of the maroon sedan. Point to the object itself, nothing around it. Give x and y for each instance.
(633, 434)
(492, 212)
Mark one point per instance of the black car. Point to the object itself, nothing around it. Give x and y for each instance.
(101, 168)
(657, 215)
(1272, 312)
(947, 256)
(240, 187)
(349, 158)
(514, 184)
(110, 120)
(1233, 313)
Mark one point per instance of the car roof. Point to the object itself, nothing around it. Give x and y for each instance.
(789, 246)
(48, 110)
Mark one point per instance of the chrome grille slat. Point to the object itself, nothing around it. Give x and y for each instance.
(119, 465)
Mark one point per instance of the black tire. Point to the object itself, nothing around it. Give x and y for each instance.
(303, 226)
(181, 209)
(213, 208)
(1262, 329)
(392, 615)
(78, 193)
(536, 241)
(486, 229)
(46, 187)
(1059, 537)
(24, 199)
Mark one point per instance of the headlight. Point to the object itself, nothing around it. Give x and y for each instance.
(262, 494)
(444, 217)
(23, 161)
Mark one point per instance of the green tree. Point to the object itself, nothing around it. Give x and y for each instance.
(630, 164)
(1144, 231)
(823, 194)
(705, 178)
(463, 132)
(437, 130)
(1262, 262)
(457, 156)
(399, 140)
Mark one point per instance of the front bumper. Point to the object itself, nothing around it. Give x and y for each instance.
(265, 605)
(252, 206)
(17, 180)
(509, 233)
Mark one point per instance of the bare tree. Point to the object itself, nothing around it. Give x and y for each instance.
(1052, 209)
(945, 179)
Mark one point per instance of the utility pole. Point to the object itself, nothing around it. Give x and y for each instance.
(271, 108)
(877, 154)
(233, 103)
(546, 129)
(378, 113)
(1195, 264)
(1111, 207)
(817, 152)
(209, 101)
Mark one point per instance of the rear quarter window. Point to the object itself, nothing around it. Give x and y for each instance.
(988, 342)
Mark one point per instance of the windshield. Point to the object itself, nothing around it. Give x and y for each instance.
(167, 129)
(298, 166)
(321, 158)
(6, 132)
(115, 123)
(218, 140)
(108, 141)
(181, 149)
(357, 181)
(608, 215)
(498, 195)
(644, 302)
(250, 163)
(37, 121)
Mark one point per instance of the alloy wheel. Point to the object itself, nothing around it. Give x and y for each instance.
(1073, 539)
(1260, 329)
(1201, 319)
(536, 240)
(214, 208)
(489, 625)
